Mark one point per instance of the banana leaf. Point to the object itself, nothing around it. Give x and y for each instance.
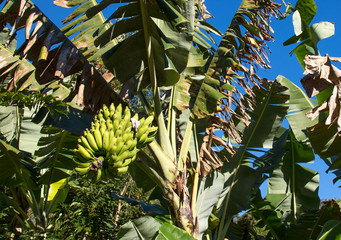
(240, 179)
(15, 169)
(55, 154)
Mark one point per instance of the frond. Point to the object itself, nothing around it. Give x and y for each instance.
(55, 154)
(53, 55)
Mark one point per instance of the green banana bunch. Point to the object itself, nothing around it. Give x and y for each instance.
(112, 143)
(90, 170)
(145, 132)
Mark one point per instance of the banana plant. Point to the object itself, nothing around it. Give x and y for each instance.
(197, 91)
(35, 185)
(167, 50)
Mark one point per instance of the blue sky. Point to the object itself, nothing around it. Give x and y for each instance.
(280, 60)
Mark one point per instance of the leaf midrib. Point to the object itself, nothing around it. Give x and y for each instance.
(240, 160)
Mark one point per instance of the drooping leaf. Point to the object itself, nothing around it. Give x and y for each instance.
(307, 10)
(309, 36)
(55, 153)
(292, 187)
(14, 169)
(321, 80)
(156, 26)
(53, 55)
(331, 230)
(321, 31)
(210, 189)
(267, 115)
(299, 104)
(334, 164)
(141, 228)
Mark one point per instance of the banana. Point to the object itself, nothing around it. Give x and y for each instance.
(141, 121)
(122, 170)
(127, 154)
(152, 131)
(85, 153)
(82, 170)
(136, 116)
(116, 164)
(128, 135)
(82, 140)
(149, 140)
(98, 138)
(116, 124)
(127, 116)
(119, 145)
(91, 140)
(111, 136)
(142, 139)
(113, 158)
(141, 130)
(106, 112)
(95, 124)
(103, 128)
(106, 141)
(127, 128)
(112, 144)
(148, 120)
(98, 175)
(112, 109)
(127, 112)
(123, 163)
(118, 112)
(126, 146)
(109, 123)
(100, 116)
(119, 132)
(81, 164)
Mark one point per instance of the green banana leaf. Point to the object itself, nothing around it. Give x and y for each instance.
(10, 124)
(15, 169)
(308, 36)
(299, 104)
(141, 228)
(240, 179)
(331, 230)
(209, 191)
(152, 42)
(46, 47)
(55, 154)
(293, 188)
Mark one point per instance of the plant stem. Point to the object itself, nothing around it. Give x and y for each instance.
(166, 164)
(148, 31)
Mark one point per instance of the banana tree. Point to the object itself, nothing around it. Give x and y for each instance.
(167, 50)
(197, 91)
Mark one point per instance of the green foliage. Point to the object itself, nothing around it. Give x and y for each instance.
(91, 212)
(152, 45)
(32, 100)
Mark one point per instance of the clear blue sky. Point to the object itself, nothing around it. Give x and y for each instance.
(280, 60)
